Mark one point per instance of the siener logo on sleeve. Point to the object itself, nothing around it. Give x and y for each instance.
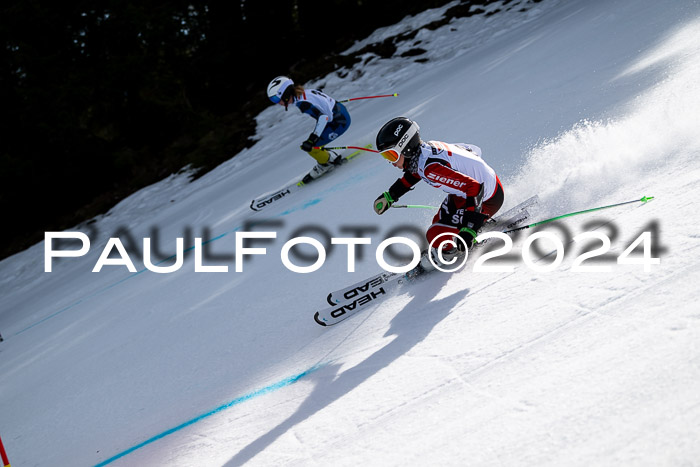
(446, 180)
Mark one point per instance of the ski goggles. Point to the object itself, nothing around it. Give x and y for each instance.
(281, 100)
(284, 98)
(393, 153)
(284, 93)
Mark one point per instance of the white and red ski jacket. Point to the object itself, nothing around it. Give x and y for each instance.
(456, 169)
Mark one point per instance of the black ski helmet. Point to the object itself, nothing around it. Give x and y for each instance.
(399, 136)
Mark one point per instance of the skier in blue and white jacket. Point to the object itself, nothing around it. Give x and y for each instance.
(332, 119)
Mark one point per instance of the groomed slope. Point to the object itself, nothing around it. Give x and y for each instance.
(570, 101)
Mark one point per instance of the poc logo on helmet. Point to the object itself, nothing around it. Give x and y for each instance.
(397, 131)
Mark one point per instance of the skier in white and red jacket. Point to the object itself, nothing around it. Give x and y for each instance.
(474, 192)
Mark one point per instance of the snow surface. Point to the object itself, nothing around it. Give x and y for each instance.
(585, 103)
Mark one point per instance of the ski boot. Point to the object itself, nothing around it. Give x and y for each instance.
(317, 171)
(448, 259)
(334, 158)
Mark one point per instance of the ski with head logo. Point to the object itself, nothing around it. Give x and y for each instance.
(276, 197)
(350, 300)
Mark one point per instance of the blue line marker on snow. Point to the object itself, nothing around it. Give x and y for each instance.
(114, 284)
(306, 205)
(259, 392)
(342, 185)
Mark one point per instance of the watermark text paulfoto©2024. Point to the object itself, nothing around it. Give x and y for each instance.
(541, 251)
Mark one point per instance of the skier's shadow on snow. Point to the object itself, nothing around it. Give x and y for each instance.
(411, 325)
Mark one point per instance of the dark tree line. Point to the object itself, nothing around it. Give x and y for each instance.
(102, 98)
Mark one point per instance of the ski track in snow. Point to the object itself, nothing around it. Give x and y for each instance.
(582, 103)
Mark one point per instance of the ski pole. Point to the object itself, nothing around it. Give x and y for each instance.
(345, 147)
(645, 199)
(396, 94)
(3, 454)
(419, 206)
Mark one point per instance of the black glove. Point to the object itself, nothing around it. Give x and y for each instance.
(310, 142)
(471, 223)
(383, 203)
(476, 201)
